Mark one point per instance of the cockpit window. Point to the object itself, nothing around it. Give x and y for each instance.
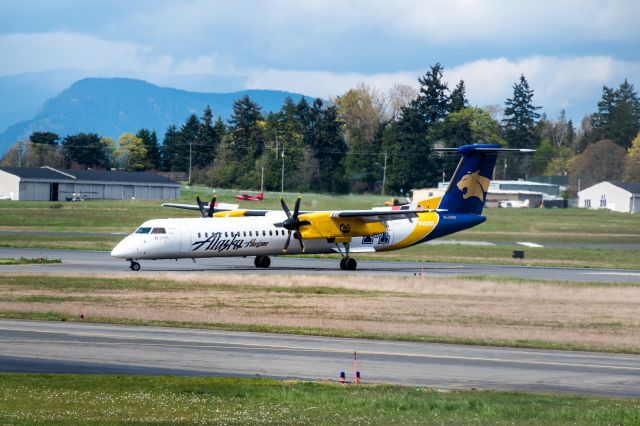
(143, 230)
(158, 231)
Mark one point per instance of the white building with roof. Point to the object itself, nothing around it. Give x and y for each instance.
(49, 184)
(613, 195)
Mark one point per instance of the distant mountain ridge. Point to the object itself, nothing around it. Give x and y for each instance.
(22, 95)
(111, 106)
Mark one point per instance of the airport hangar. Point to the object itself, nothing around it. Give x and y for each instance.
(49, 184)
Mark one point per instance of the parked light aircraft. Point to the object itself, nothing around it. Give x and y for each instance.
(247, 197)
(514, 204)
(261, 233)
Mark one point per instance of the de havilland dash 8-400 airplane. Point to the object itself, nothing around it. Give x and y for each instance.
(229, 231)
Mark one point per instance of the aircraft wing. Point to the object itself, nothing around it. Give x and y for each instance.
(343, 225)
(219, 206)
(375, 215)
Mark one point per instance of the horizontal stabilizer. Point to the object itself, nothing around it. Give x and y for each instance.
(467, 149)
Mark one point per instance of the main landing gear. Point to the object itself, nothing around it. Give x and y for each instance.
(134, 266)
(262, 262)
(346, 263)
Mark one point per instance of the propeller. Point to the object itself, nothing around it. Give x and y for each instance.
(292, 223)
(206, 212)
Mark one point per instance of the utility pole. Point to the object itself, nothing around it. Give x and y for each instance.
(189, 163)
(282, 174)
(262, 178)
(384, 172)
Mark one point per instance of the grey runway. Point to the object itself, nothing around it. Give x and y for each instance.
(79, 261)
(61, 347)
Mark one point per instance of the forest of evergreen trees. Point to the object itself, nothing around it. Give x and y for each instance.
(364, 141)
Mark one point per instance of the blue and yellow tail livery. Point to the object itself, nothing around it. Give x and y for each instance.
(468, 188)
(461, 205)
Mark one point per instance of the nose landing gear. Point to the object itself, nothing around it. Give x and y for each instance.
(134, 266)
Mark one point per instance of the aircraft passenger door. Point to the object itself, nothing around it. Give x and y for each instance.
(388, 236)
(185, 239)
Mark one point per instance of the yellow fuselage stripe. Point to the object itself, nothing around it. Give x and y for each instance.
(423, 225)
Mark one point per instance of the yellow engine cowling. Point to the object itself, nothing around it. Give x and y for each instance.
(230, 213)
(324, 226)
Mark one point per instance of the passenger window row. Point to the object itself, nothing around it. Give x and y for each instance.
(232, 234)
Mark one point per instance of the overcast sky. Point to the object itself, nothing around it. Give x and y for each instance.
(566, 49)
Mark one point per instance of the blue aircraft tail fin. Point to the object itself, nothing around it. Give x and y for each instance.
(468, 188)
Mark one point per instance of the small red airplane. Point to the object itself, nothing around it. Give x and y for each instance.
(247, 197)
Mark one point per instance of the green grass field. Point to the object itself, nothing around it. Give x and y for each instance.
(27, 261)
(572, 227)
(112, 400)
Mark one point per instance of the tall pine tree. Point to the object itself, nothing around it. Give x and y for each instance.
(458, 99)
(87, 150)
(618, 116)
(150, 141)
(206, 140)
(519, 126)
(410, 164)
(244, 145)
(520, 117)
(329, 147)
(171, 150)
(432, 102)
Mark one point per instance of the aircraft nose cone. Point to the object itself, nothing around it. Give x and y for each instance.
(123, 249)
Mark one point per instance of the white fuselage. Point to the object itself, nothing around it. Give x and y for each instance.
(238, 236)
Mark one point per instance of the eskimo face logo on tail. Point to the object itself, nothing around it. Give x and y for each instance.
(475, 185)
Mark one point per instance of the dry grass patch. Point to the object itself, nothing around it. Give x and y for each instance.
(597, 316)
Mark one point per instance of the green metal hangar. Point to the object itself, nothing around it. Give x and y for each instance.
(49, 184)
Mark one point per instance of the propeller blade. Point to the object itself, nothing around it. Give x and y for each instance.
(296, 209)
(285, 208)
(299, 238)
(286, 244)
(292, 223)
(212, 207)
(201, 207)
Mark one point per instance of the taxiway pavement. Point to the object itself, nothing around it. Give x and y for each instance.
(96, 262)
(63, 347)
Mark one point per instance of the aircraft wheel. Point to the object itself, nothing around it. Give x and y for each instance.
(262, 262)
(348, 264)
(135, 266)
(351, 264)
